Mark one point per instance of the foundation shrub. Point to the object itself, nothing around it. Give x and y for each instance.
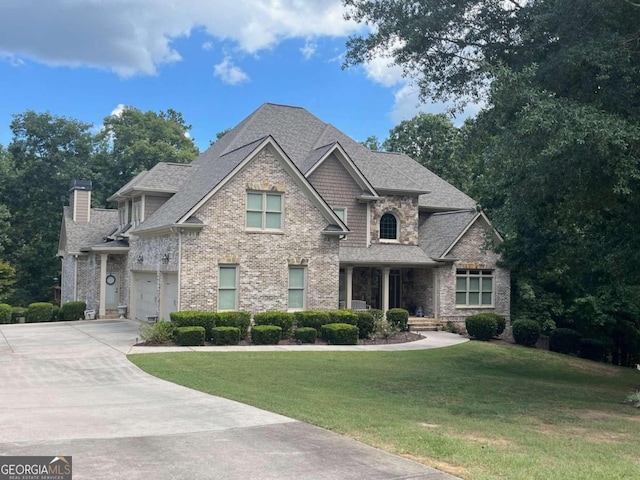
(525, 332)
(195, 318)
(312, 319)
(158, 333)
(225, 335)
(266, 334)
(56, 313)
(366, 324)
(343, 316)
(565, 340)
(39, 312)
(399, 317)
(16, 313)
(306, 335)
(481, 326)
(284, 320)
(189, 336)
(241, 320)
(73, 310)
(5, 313)
(340, 334)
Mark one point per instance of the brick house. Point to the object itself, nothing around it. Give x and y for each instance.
(284, 212)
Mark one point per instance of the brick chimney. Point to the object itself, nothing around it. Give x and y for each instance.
(80, 200)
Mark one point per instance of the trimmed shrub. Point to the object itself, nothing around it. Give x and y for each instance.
(399, 317)
(284, 320)
(5, 313)
(306, 335)
(266, 334)
(366, 324)
(565, 340)
(225, 335)
(592, 349)
(501, 322)
(525, 332)
(340, 333)
(157, 333)
(377, 314)
(56, 313)
(16, 313)
(73, 310)
(189, 336)
(195, 318)
(39, 312)
(311, 318)
(241, 320)
(343, 316)
(481, 326)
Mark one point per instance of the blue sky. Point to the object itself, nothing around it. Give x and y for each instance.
(83, 59)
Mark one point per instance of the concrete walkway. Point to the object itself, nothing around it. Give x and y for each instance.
(68, 389)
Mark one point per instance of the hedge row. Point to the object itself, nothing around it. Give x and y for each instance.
(41, 312)
(209, 320)
(485, 326)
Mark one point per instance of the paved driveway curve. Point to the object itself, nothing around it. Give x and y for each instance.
(68, 389)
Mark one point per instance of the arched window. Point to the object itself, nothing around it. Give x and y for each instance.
(388, 227)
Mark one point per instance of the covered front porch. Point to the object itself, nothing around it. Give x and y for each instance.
(388, 276)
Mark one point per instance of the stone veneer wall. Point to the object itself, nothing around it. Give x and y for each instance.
(405, 210)
(339, 189)
(473, 251)
(67, 279)
(262, 258)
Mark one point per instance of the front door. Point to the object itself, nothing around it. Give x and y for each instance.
(111, 294)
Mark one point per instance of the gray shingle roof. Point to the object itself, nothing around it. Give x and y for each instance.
(385, 254)
(81, 234)
(440, 230)
(163, 177)
(304, 138)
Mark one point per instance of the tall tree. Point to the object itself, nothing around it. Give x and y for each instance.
(132, 141)
(557, 148)
(47, 152)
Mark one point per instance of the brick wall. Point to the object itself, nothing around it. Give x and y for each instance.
(339, 189)
(474, 250)
(262, 258)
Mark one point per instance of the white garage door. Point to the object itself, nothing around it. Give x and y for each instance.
(169, 295)
(145, 287)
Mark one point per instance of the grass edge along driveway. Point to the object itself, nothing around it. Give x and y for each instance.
(476, 410)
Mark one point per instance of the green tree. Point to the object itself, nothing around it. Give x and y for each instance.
(372, 143)
(132, 141)
(47, 152)
(432, 140)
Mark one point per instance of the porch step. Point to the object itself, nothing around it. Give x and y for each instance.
(420, 324)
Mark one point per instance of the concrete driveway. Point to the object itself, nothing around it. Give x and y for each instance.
(68, 389)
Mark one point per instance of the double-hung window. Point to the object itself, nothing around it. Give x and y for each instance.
(297, 288)
(228, 287)
(474, 288)
(264, 211)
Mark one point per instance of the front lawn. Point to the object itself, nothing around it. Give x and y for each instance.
(476, 410)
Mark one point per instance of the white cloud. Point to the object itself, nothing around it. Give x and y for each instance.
(309, 49)
(117, 112)
(133, 38)
(207, 46)
(230, 73)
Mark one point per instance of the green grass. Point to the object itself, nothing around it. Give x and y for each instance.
(476, 410)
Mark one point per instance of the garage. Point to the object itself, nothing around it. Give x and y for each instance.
(168, 295)
(144, 295)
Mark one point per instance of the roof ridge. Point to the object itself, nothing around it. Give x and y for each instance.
(282, 105)
(261, 139)
(322, 134)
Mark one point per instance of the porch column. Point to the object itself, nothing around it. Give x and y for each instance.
(385, 289)
(348, 286)
(102, 312)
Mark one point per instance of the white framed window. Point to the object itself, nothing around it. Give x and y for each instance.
(264, 211)
(388, 227)
(136, 213)
(474, 288)
(228, 287)
(341, 212)
(297, 288)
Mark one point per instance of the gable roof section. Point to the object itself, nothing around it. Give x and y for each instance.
(227, 165)
(442, 231)
(75, 236)
(304, 140)
(164, 177)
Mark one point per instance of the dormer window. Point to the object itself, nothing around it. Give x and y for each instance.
(388, 227)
